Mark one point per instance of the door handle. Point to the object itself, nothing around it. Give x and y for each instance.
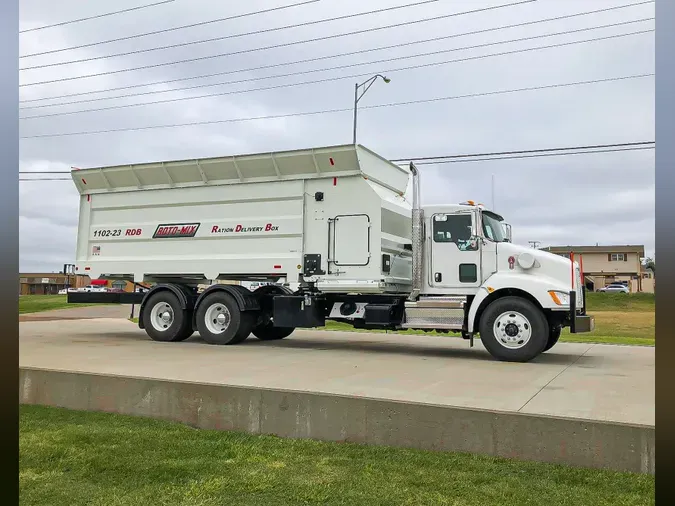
(438, 277)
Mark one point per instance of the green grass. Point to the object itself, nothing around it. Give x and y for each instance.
(598, 301)
(39, 303)
(69, 458)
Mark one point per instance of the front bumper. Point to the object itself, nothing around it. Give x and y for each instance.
(582, 323)
(579, 321)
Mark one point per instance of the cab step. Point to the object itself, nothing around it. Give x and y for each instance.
(435, 313)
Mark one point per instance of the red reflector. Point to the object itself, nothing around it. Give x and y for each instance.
(332, 162)
(277, 266)
(87, 268)
(83, 181)
(88, 198)
(77, 268)
(334, 181)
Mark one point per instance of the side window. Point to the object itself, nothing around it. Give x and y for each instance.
(454, 228)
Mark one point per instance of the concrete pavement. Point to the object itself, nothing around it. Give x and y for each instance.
(582, 381)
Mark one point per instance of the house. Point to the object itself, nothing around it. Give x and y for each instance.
(603, 265)
(49, 283)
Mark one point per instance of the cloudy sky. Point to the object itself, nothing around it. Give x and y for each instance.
(605, 198)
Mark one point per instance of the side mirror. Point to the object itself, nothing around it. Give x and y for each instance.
(507, 232)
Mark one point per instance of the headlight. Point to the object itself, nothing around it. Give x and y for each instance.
(560, 298)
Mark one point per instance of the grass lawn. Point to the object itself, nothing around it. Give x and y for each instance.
(70, 458)
(38, 303)
(597, 301)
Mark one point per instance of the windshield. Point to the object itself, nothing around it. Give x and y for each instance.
(492, 228)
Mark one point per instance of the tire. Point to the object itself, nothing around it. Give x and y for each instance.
(164, 320)
(271, 333)
(265, 329)
(514, 314)
(553, 337)
(219, 320)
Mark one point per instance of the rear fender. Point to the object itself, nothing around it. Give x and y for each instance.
(244, 298)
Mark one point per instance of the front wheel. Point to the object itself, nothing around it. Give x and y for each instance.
(513, 329)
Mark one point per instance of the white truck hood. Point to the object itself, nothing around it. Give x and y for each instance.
(545, 263)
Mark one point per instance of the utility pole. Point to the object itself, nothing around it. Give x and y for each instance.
(534, 244)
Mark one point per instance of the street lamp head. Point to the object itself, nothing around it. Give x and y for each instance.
(386, 79)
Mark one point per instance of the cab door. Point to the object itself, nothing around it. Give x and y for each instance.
(455, 251)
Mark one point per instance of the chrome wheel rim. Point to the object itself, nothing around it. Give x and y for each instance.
(512, 330)
(161, 316)
(217, 318)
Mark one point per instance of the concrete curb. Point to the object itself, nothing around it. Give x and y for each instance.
(328, 417)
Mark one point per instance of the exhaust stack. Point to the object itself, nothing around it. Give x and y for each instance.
(417, 236)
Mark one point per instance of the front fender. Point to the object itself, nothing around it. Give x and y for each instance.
(535, 286)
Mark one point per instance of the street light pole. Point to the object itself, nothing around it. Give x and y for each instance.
(366, 84)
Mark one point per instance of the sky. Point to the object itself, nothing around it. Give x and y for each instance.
(587, 199)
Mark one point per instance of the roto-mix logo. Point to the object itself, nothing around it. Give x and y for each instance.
(176, 230)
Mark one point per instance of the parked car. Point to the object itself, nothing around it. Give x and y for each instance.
(615, 288)
(92, 288)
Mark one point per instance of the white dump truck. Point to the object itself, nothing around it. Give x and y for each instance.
(334, 224)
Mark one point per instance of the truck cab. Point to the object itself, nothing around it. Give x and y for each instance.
(470, 266)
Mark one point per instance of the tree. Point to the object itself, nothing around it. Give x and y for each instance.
(650, 264)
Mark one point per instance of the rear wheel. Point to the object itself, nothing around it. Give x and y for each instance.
(220, 321)
(265, 329)
(164, 319)
(513, 329)
(553, 337)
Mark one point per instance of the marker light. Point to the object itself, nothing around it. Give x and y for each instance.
(560, 298)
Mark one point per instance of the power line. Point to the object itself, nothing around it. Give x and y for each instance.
(397, 25)
(302, 72)
(238, 35)
(537, 154)
(286, 44)
(165, 30)
(97, 16)
(330, 111)
(331, 79)
(46, 179)
(520, 152)
(465, 155)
